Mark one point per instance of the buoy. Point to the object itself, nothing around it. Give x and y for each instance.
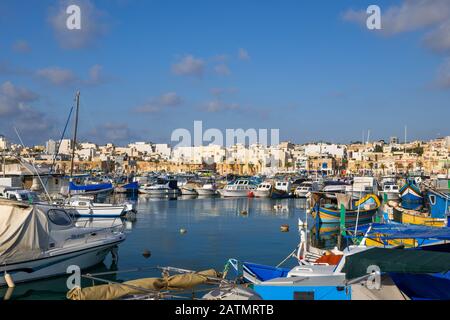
(146, 254)
(183, 231)
(250, 194)
(284, 228)
(244, 212)
(9, 280)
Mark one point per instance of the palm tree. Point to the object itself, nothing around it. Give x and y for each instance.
(383, 167)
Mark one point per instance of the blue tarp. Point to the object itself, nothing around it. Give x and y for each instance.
(90, 187)
(401, 231)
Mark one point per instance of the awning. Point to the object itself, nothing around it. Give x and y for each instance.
(396, 260)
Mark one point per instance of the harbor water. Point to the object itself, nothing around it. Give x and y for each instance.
(216, 229)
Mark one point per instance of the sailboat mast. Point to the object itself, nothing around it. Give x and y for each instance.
(75, 134)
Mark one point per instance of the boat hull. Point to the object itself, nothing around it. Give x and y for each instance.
(205, 192)
(414, 217)
(51, 266)
(235, 193)
(262, 193)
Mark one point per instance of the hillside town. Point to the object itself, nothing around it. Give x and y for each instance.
(369, 158)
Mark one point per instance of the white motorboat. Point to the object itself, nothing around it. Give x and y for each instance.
(207, 189)
(40, 241)
(162, 187)
(264, 190)
(85, 207)
(303, 190)
(18, 194)
(240, 188)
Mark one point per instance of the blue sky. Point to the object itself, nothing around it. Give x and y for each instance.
(145, 68)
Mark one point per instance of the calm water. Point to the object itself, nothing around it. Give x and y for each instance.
(216, 231)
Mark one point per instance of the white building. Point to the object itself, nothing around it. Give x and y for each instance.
(164, 150)
(320, 149)
(4, 144)
(200, 154)
(142, 147)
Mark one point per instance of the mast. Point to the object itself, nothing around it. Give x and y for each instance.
(77, 97)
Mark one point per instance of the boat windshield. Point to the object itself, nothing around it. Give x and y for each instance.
(59, 217)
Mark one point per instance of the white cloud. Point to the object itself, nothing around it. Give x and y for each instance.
(222, 69)
(16, 111)
(189, 66)
(408, 16)
(57, 76)
(218, 106)
(438, 39)
(156, 105)
(243, 54)
(93, 24)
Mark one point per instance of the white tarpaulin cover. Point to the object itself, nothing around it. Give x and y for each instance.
(24, 232)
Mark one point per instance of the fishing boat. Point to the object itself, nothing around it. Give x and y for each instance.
(327, 211)
(416, 217)
(304, 189)
(410, 192)
(40, 241)
(85, 207)
(263, 190)
(390, 191)
(438, 203)
(240, 188)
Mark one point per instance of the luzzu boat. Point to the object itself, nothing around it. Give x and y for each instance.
(410, 192)
(416, 217)
(361, 212)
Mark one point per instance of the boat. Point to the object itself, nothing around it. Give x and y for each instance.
(438, 203)
(402, 273)
(162, 187)
(85, 207)
(90, 189)
(19, 194)
(390, 191)
(281, 189)
(131, 187)
(189, 189)
(207, 189)
(40, 241)
(240, 188)
(410, 192)
(263, 190)
(328, 211)
(416, 217)
(304, 189)
(362, 186)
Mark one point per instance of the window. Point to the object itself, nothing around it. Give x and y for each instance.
(433, 199)
(59, 217)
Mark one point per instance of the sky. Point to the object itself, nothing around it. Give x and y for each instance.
(311, 69)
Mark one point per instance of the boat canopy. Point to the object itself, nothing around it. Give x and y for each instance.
(90, 187)
(391, 231)
(141, 286)
(396, 261)
(24, 233)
